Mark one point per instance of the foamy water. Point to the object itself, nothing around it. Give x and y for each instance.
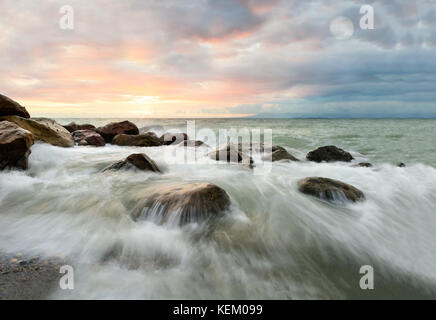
(274, 242)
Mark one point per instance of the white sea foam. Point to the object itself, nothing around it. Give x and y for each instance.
(274, 242)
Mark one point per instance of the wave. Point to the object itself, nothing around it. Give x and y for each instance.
(274, 242)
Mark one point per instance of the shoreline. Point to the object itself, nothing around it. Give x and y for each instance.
(26, 277)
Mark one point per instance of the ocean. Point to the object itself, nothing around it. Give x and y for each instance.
(273, 243)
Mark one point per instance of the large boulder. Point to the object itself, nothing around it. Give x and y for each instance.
(109, 131)
(329, 154)
(173, 138)
(182, 204)
(43, 129)
(15, 143)
(88, 137)
(148, 139)
(136, 160)
(230, 153)
(72, 126)
(9, 107)
(330, 190)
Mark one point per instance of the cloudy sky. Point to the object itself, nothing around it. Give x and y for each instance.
(198, 58)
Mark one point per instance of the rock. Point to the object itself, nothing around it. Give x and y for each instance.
(192, 143)
(88, 137)
(43, 129)
(15, 143)
(173, 138)
(148, 139)
(9, 107)
(182, 204)
(138, 160)
(330, 190)
(363, 164)
(329, 154)
(230, 153)
(279, 154)
(109, 131)
(401, 165)
(71, 127)
(258, 147)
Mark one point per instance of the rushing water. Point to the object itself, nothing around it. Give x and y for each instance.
(273, 243)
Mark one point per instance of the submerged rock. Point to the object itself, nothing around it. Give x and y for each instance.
(44, 129)
(148, 139)
(278, 155)
(88, 137)
(230, 153)
(329, 154)
(329, 189)
(363, 164)
(173, 138)
(71, 127)
(401, 165)
(15, 143)
(182, 204)
(109, 131)
(192, 143)
(9, 107)
(137, 160)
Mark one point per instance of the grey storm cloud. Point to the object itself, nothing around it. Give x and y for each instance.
(270, 48)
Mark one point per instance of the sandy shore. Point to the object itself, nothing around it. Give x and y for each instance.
(28, 277)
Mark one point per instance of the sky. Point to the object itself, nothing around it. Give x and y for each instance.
(219, 58)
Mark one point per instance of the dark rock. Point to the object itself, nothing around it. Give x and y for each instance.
(173, 138)
(15, 144)
(71, 127)
(401, 165)
(109, 131)
(259, 147)
(148, 139)
(192, 143)
(329, 154)
(184, 204)
(88, 137)
(138, 160)
(363, 164)
(9, 107)
(279, 154)
(230, 153)
(330, 190)
(44, 129)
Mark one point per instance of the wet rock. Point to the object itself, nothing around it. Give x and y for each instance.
(363, 164)
(192, 143)
(71, 127)
(278, 155)
(148, 139)
(9, 107)
(136, 160)
(15, 144)
(230, 153)
(88, 137)
(109, 131)
(259, 147)
(173, 138)
(401, 165)
(182, 204)
(329, 154)
(330, 190)
(44, 129)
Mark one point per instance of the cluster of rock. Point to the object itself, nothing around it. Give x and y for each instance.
(190, 202)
